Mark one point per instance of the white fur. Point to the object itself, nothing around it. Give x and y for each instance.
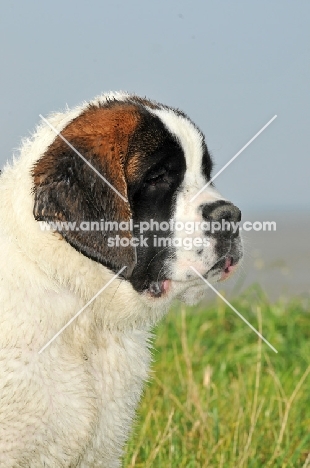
(73, 404)
(186, 210)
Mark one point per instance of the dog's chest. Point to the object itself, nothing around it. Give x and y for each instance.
(116, 371)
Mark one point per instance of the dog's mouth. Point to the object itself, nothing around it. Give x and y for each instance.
(158, 288)
(229, 263)
(230, 267)
(225, 266)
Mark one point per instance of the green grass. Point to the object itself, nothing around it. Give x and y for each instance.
(219, 396)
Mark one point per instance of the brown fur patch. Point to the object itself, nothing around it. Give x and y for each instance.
(66, 188)
(106, 131)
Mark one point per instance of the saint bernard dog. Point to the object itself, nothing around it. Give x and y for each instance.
(129, 162)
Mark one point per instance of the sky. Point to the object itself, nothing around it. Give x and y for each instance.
(231, 66)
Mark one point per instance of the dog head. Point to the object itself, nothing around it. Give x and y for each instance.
(123, 184)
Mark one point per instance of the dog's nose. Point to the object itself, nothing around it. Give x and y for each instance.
(225, 213)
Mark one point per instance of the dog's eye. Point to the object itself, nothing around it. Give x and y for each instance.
(157, 177)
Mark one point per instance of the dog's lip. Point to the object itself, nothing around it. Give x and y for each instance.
(158, 288)
(229, 267)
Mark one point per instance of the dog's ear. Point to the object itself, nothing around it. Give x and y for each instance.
(75, 200)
